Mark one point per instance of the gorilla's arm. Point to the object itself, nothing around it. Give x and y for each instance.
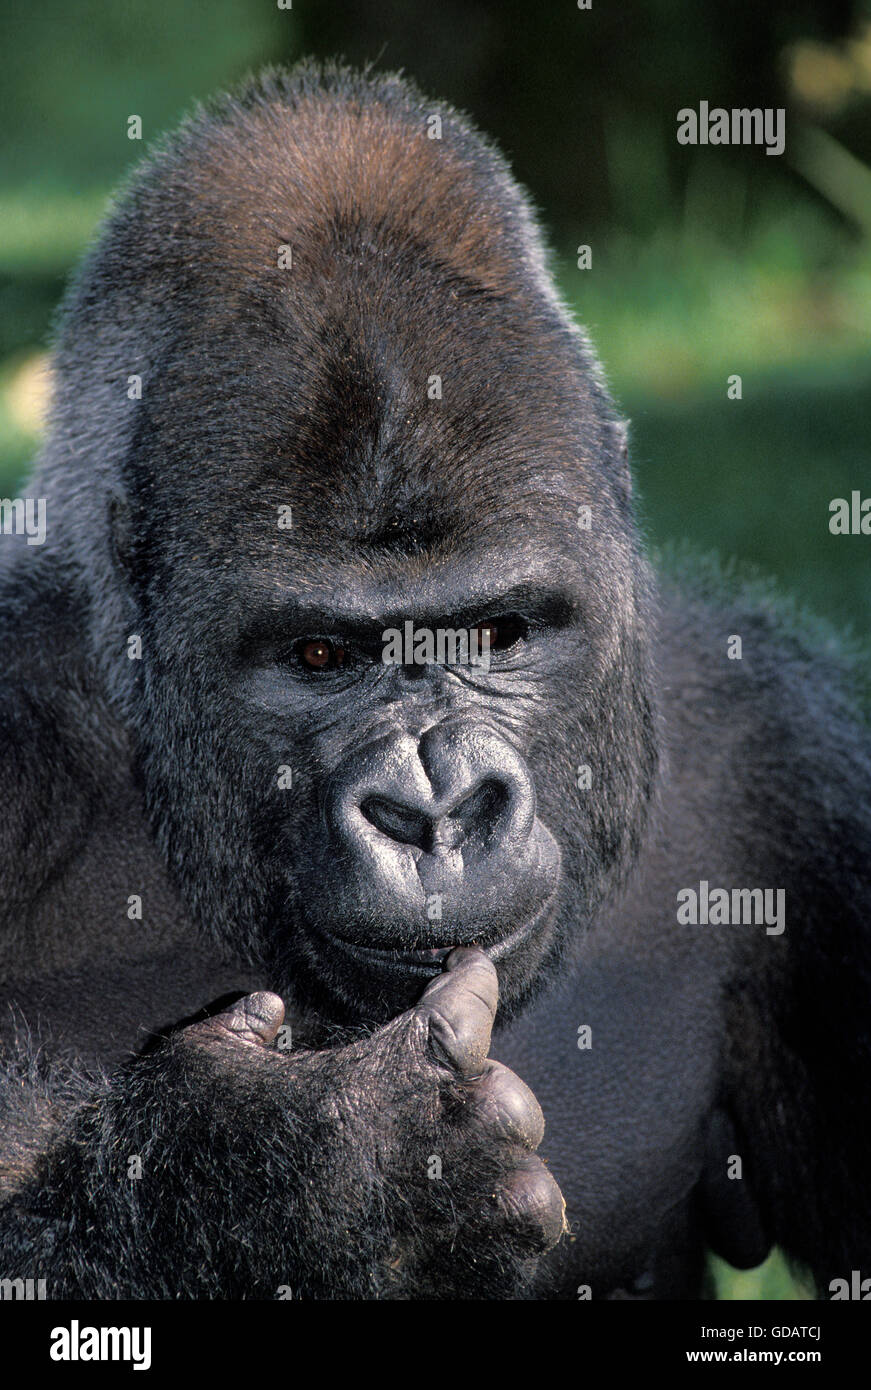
(218, 1165)
(799, 1056)
(797, 1051)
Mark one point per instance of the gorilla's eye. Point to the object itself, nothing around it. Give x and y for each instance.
(503, 632)
(320, 654)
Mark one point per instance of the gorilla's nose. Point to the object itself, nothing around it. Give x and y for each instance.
(459, 786)
(449, 813)
(477, 814)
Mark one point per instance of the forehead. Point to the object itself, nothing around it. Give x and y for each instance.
(375, 427)
(386, 398)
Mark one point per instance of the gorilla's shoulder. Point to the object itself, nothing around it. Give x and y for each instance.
(42, 625)
(728, 632)
(762, 698)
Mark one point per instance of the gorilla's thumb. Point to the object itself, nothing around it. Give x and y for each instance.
(459, 1007)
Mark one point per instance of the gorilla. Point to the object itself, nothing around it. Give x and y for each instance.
(301, 944)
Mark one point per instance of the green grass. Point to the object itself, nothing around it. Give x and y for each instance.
(754, 478)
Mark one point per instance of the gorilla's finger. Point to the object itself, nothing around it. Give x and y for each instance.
(254, 1021)
(532, 1203)
(503, 1102)
(459, 1007)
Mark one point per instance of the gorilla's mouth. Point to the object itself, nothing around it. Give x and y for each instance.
(427, 961)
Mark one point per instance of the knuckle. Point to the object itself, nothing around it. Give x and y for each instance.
(533, 1205)
(505, 1103)
(450, 1041)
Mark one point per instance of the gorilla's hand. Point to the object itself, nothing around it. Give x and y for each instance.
(424, 1177)
(218, 1165)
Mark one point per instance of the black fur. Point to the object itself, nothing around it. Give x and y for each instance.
(265, 387)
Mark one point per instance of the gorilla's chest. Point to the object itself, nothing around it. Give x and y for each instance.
(624, 1110)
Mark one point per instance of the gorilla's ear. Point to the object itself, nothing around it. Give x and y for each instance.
(121, 534)
(623, 476)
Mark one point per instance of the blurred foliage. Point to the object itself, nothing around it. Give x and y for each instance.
(770, 1280)
(72, 74)
(706, 262)
(584, 102)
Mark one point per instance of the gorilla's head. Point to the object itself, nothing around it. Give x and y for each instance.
(362, 407)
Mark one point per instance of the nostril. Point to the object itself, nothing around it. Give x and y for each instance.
(479, 812)
(479, 816)
(398, 822)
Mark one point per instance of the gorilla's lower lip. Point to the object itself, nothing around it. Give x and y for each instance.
(428, 960)
(395, 955)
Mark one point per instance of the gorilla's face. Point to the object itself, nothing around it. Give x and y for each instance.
(346, 820)
(413, 823)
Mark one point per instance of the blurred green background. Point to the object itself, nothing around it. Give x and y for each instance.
(706, 261)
